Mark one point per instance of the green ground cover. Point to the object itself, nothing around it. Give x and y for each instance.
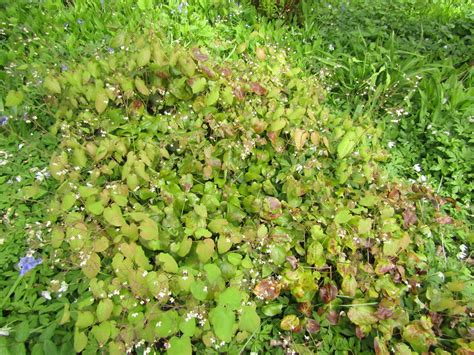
(218, 177)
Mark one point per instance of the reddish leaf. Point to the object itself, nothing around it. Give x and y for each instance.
(305, 308)
(328, 293)
(273, 203)
(226, 72)
(191, 81)
(312, 326)
(379, 347)
(206, 70)
(163, 75)
(137, 104)
(360, 333)
(409, 217)
(259, 126)
(444, 220)
(258, 89)
(437, 320)
(272, 136)
(383, 313)
(293, 261)
(239, 93)
(199, 55)
(394, 194)
(332, 317)
(267, 289)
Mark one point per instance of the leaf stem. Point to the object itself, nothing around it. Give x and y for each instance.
(12, 289)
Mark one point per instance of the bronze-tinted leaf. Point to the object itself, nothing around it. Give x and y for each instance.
(360, 333)
(260, 52)
(239, 93)
(328, 293)
(258, 89)
(333, 317)
(394, 194)
(312, 326)
(198, 55)
(226, 72)
(444, 220)
(293, 261)
(267, 289)
(379, 347)
(206, 70)
(305, 308)
(409, 217)
(383, 313)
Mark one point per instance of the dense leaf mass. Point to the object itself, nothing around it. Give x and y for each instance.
(203, 199)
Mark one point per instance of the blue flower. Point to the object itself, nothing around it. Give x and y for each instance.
(110, 50)
(28, 263)
(64, 67)
(183, 5)
(3, 120)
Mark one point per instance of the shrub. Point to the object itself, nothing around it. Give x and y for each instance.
(207, 203)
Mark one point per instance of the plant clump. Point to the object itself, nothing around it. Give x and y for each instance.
(203, 200)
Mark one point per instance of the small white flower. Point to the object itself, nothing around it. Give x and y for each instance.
(391, 144)
(417, 167)
(463, 252)
(46, 294)
(63, 288)
(331, 47)
(5, 331)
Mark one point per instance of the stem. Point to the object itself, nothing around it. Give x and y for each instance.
(14, 286)
(359, 304)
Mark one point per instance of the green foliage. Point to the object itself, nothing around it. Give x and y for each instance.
(209, 197)
(277, 8)
(247, 164)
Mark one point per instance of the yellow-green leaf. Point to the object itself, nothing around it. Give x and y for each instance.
(52, 84)
(80, 341)
(346, 145)
(101, 101)
(14, 98)
(144, 56)
(113, 215)
(141, 87)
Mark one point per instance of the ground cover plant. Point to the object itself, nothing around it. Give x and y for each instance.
(206, 195)
(407, 64)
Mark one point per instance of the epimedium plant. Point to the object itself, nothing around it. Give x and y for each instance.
(209, 203)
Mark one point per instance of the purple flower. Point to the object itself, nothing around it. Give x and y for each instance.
(28, 263)
(110, 50)
(3, 120)
(64, 67)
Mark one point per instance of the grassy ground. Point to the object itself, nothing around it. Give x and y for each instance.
(405, 66)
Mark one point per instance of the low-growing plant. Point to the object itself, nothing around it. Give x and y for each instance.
(178, 202)
(221, 206)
